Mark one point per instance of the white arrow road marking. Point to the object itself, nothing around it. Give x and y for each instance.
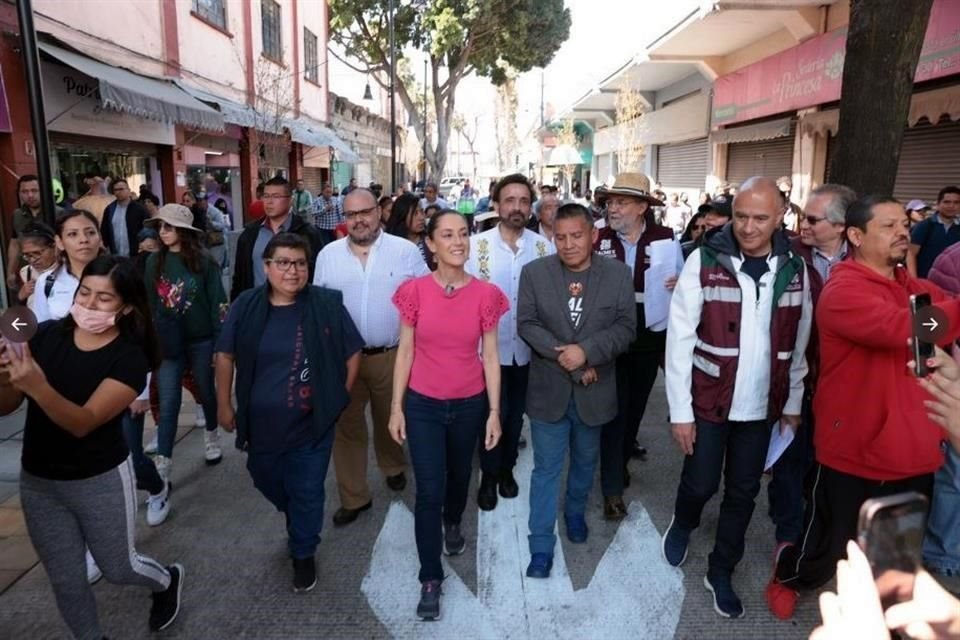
(634, 593)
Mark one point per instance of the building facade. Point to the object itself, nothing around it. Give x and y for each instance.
(178, 95)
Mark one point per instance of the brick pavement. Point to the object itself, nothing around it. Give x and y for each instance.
(232, 544)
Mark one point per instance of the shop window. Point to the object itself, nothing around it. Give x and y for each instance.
(212, 11)
(271, 25)
(311, 64)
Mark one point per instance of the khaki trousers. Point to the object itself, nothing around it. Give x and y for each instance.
(374, 386)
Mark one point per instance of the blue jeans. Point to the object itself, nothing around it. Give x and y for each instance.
(147, 477)
(551, 441)
(442, 435)
(739, 450)
(785, 491)
(199, 356)
(941, 545)
(293, 482)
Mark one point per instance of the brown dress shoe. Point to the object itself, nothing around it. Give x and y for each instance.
(345, 516)
(613, 508)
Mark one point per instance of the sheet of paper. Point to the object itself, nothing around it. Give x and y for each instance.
(666, 259)
(778, 444)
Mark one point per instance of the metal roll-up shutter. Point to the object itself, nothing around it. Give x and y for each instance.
(770, 158)
(683, 165)
(928, 160)
(313, 179)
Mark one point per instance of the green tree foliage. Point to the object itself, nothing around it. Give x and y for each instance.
(486, 37)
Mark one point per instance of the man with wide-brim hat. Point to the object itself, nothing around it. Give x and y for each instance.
(630, 229)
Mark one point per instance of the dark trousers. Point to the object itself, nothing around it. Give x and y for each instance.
(513, 401)
(442, 435)
(293, 482)
(830, 521)
(791, 473)
(636, 374)
(739, 450)
(147, 477)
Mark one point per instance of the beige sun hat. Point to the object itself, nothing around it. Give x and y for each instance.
(175, 215)
(636, 185)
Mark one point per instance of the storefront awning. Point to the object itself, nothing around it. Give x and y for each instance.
(241, 115)
(931, 105)
(314, 134)
(750, 133)
(138, 95)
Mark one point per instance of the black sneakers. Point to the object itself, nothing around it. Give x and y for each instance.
(304, 574)
(166, 604)
(429, 607)
(453, 541)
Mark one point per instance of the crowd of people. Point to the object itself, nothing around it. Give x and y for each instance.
(448, 334)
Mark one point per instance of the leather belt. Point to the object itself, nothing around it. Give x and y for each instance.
(372, 351)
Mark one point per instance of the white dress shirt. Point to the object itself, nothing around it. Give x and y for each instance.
(367, 290)
(493, 260)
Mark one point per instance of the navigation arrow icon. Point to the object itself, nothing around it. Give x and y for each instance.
(932, 324)
(631, 579)
(18, 324)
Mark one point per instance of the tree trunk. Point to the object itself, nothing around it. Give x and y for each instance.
(883, 45)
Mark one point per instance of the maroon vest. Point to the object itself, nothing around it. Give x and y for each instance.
(608, 244)
(717, 352)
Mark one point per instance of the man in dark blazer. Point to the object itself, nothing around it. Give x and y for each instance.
(119, 232)
(576, 310)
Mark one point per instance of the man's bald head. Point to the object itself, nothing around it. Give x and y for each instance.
(359, 198)
(757, 214)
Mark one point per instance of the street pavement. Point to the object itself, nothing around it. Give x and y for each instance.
(238, 577)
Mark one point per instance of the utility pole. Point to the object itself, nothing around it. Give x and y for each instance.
(425, 112)
(41, 144)
(393, 100)
(542, 111)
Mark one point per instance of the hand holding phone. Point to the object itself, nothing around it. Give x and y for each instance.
(890, 532)
(922, 350)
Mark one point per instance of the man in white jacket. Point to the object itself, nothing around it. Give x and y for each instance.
(738, 329)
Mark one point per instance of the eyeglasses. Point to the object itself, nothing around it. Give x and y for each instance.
(35, 256)
(350, 215)
(812, 220)
(700, 227)
(284, 264)
(275, 196)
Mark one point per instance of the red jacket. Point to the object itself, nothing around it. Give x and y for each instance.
(870, 418)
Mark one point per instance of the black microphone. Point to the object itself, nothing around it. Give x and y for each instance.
(448, 290)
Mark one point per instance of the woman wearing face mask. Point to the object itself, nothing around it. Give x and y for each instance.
(78, 241)
(78, 375)
(39, 248)
(188, 304)
(453, 396)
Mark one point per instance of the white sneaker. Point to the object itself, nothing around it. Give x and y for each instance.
(158, 507)
(93, 571)
(152, 446)
(211, 446)
(163, 464)
(201, 420)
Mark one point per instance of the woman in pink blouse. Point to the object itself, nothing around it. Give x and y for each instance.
(445, 392)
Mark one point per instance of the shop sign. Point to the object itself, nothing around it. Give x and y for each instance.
(72, 104)
(811, 73)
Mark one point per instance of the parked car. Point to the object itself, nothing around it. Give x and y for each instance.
(447, 184)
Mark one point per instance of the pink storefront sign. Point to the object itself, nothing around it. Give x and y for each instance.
(811, 73)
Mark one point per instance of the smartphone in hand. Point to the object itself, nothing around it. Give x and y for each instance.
(890, 531)
(921, 350)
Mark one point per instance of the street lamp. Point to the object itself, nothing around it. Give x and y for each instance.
(426, 59)
(393, 99)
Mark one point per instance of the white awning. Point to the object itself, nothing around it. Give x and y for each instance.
(241, 115)
(931, 105)
(750, 133)
(138, 95)
(314, 134)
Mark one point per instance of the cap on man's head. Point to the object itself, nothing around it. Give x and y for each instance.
(917, 205)
(719, 205)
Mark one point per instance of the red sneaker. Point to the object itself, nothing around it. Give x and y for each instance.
(781, 599)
